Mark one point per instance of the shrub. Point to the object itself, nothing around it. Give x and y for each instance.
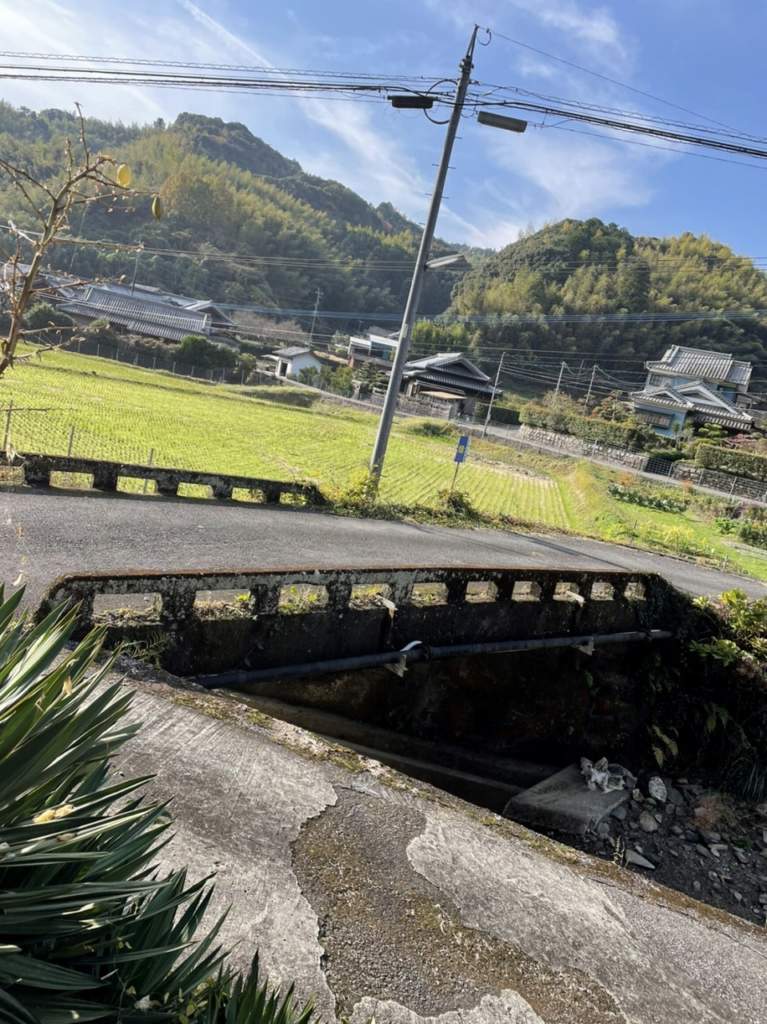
(101, 331)
(457, 503)
(753, 533)
(500, 414)
(43, 316)
(199, 352)
(638, 496)
(431, 428)
(90, 929)
(729, 460)
(588, 428)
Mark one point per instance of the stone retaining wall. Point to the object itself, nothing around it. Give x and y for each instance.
(577, 446)
(737, 486)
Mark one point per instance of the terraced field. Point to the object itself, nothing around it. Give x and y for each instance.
(103, 410)
(107, 410)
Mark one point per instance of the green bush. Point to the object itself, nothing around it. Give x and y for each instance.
(753, 533)
(728, 460)
(431, 428)
(101, 331)
(588, 428)
(638, 496)
(195, 350)
(669, 454)
(43, 317)
(90, 928)
(500, 414)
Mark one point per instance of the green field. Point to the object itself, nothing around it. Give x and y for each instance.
(115, 411)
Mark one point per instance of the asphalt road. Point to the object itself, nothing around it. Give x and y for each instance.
(45, 534)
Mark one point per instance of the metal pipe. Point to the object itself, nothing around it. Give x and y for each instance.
(421, 652)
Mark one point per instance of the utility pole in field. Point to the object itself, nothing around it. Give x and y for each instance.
(492, 397)
(314, 315)
(422, 261)
(559, 379)
(591, 383)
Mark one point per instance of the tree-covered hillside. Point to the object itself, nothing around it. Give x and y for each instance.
(588, 267)
(226, 191)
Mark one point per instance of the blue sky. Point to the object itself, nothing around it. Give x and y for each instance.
(706, 55)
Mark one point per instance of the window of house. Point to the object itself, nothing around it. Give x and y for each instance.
(656, 419)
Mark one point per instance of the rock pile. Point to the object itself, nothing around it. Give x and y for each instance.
(692, 839)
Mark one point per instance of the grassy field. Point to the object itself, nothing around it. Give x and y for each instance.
(113, 411)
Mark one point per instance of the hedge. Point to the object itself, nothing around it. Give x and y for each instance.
(727, 460)
(500, 414)
(589, 428)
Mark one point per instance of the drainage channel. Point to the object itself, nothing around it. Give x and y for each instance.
(487, 779)
(505, 734)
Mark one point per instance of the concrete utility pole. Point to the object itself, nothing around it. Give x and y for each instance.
(416, 286)
(314, 316)
(591, 383)
(492, 397)
(559, 378)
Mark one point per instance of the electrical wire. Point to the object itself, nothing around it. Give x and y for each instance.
(606, 78)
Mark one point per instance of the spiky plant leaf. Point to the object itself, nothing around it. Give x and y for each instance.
(89, 930)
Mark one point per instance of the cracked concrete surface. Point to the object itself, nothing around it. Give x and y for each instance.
(380, 896)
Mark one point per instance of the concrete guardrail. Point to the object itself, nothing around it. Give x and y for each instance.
(37, 470)
(214, 621)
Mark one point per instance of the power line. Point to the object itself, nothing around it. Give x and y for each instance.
(607, 78)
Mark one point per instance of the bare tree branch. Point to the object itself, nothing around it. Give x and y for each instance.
(53, 215)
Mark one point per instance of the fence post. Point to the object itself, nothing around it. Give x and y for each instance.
(149, 462)
(192, 373)
(71, 443)
(98, 348)
(7, 432)
(154, 362)
(242, 376)
(173, 368)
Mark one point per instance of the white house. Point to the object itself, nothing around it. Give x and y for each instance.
(292, 360)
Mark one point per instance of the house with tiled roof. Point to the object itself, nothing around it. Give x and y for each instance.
(448, 377)
(689, 387)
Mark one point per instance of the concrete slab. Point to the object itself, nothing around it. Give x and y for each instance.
(382, 897)
(564, 803)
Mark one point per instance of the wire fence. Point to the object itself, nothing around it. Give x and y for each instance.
(151, 360)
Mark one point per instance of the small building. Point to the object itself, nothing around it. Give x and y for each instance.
(376, 348)
(292, 360)
(451, 375)
(689, 387)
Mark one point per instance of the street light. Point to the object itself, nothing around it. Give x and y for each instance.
(412, 101)
(455, 259)
(511, 124)
(423, 263)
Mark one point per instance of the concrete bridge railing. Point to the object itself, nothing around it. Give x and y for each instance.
(37, 470)
(204, 622)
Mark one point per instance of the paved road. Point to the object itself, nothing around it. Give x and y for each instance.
(44, 534)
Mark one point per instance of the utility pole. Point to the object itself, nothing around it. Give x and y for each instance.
(416, 285)
(314, 315)
(591, 383)
(492, 397)
(135, 270)
(559, 379)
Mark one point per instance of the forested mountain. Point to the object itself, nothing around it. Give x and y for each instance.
(226, 191)
(588, 267)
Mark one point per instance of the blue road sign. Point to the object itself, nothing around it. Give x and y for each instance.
(463, 448)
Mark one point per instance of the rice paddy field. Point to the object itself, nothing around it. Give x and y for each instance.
(97, 408)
